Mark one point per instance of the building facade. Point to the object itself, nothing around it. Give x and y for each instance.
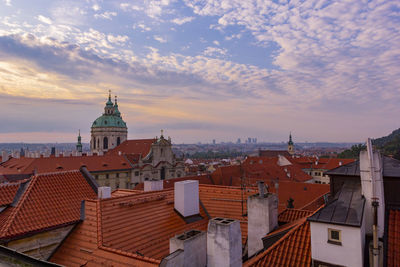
(108, 130)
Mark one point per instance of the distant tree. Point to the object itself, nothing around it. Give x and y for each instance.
(353, 152)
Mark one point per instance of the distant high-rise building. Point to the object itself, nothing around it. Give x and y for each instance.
(239, 141)
(213, 141)
(249, 140)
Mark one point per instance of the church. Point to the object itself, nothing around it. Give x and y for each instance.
(150, 159)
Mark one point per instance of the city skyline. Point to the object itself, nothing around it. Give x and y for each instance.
(201, 70)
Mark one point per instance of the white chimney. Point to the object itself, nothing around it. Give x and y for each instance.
(4, 156)
(262, 216)
(153, 185)
(186, 198)
(194, 246)
(224, 243)
(104, 192)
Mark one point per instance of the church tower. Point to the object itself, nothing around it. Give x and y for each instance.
(290, 145)
(108, 130)
(79, 144)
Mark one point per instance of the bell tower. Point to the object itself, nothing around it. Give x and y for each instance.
(290, 145)
(108, 130)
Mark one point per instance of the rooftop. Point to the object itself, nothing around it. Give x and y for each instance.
(45, 201)
(346, 208)
(393, 241)
(56, 164)
(138, 146)
(391, 168)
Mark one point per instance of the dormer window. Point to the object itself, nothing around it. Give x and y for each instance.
(334, 236)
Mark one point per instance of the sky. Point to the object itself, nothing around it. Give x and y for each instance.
(201, 69)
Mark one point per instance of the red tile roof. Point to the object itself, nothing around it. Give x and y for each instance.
(290, 215)
(393, 245)
(142, 224)
(293, 249)
(320, 163)
(7, 192)
(169, 183)
(49, 200)
(54, 164)
(138, 146)
(83, 247)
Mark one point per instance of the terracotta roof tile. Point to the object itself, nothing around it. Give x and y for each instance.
(49, 200)
(56, 164)
(293, 249)
(138, 146)
(290, 215)
(7, 192)
(393, 245)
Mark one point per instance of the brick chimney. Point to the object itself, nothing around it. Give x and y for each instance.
(186, 197)
(262, 216)
(224, 243)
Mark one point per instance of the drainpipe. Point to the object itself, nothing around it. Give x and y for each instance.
(375, 204)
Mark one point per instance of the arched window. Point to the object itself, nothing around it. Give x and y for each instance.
(162, 174)
(105, 143)
(98, 143)
(118, 141)
(94, 143)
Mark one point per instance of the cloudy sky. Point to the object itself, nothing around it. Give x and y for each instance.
(201, 69)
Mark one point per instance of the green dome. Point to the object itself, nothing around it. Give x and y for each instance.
(109, 121)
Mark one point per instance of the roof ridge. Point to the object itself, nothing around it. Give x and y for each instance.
(143, 194)
(58, 172)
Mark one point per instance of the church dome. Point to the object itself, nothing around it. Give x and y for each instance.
(109, 121)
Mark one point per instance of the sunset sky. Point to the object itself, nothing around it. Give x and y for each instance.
(201, 69)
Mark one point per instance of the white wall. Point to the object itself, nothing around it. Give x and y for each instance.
(349, 254)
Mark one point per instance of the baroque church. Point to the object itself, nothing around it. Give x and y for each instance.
(150, 159)
(108, 130)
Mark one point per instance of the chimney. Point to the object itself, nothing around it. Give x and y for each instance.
(153, 185)
(224, 243)
(104, 192)
(194, 246)
(186, 197)
(262, 216)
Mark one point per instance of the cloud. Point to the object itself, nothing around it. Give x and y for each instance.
(44, 19)
(216, 42)
(159, 39)
(215, 51)
(106, 15)
(183, 20)
(142, 27)
(7, 2)
(96, 7)
(129, 7)
(118, 39)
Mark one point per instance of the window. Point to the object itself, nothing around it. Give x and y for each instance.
(96, 177)
(117, 185)
(136, 173)
(334, 236)
(117, 175)
(118, 140)
(105, 143)
(107, 176)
